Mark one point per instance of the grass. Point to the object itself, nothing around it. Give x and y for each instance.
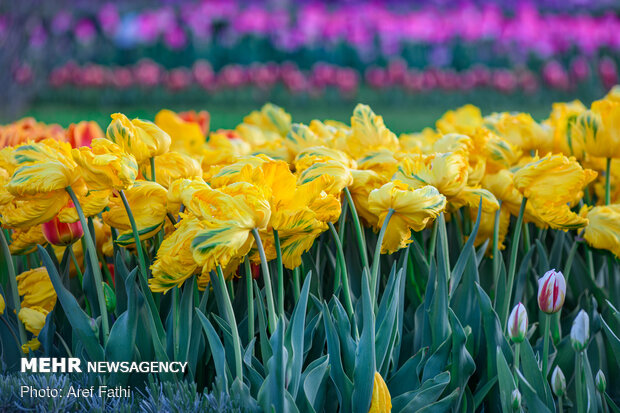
(402, 112)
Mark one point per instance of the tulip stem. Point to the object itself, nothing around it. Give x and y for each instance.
(374, 279)
(432, 243)
(579, 382)
(608, 182)
(496, 246)
(516, 363)
(230, 315)
(152, 161)
(250, 294)
(346, 289)
(271, 309)
(546, 319)
(296, 283)
(359, 231)
(276, 241)
(143, 269)
(80, 275)
(94, 262)
(13, 283)
(514, 249)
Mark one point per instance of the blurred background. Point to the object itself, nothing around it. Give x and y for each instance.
(65, 61)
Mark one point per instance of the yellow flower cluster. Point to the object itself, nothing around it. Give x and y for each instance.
(213, 197)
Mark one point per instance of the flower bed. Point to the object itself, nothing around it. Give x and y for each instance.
(326, 266)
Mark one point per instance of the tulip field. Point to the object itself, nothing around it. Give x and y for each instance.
(471, 266)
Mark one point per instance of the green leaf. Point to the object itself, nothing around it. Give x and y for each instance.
(506, 382)
(344, 386)
(217, 350)
(272, 394)
(314, 383)
(530, 397)
(482, 391)
(122, 340)
(79, 320)
(442, 405)
(534, 376)
(466, 253)
(365, 367)
(428, 393)
(295, 339)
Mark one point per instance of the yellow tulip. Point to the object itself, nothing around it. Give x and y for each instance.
(230, 214)
(142, 139)
(301, 137)
(471, 196)
(465, 120)
(521, 130)
(382, 161)
(175, 261)
(554, 178)
(421, 142)
(341, 175)
(147, 201)
(2, 304)
(32, 345)
(413, 210)
(599, 129)
(185, 137)
(364, 181)
(182, 189)
(41, 168)
(172, 166)
(368, 133)
(381, 402)
(453, 142)
(315, 154)
(230, 174)
(25, 241)
(502, 186)
(324, 131)
(562, 120)
(25, 212)
(274, 149)
(222, 150)
(105, 166)
(270, 118)
(497, 151)
(447, 172)
(603, 229)
(33, 318)
(36, 288)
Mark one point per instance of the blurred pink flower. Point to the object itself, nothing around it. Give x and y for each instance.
(85, 31)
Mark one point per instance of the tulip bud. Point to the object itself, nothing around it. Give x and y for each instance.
(110, 297)
(558, 382)
(61, 233)
(515, 400)
(580, 331)
(551, 292)
(600, 382)
(517, 323)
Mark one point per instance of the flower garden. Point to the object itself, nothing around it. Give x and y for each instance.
(357, 240)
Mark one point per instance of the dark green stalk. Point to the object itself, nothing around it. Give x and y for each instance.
(271, 309)
(230, 315)
(276, 241)
(346, 289)
(359, 231)
(91, 251)
(250, 294)
(13, 284)
(376, 259)
(514, 249)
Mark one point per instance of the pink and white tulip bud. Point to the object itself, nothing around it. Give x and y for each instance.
(600, 382)
(580, 331)
(517, 323)
(558, 382)
(551, 291)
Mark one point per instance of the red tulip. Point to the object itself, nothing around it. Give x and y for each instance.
(61, 233)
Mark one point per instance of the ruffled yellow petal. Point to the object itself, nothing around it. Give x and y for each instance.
(34, 210)
(105, 166)
(341, 175)
(368, 132)
(413, 209)
(33, 318)
(447, 172)
(36, 288)
(186, 137)
(142, 139)
(380, 402)
(25, 241)
(603, 229)
(172, 166)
